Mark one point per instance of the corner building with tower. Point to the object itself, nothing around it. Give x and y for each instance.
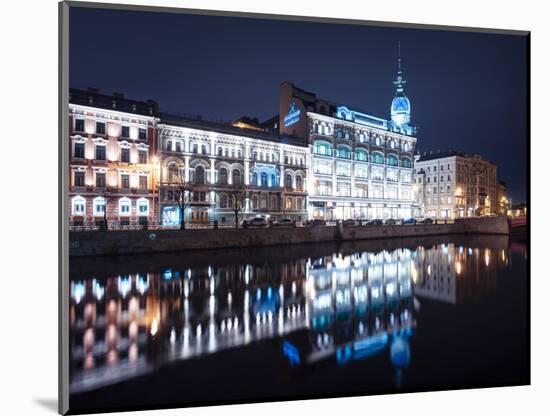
(360, 166)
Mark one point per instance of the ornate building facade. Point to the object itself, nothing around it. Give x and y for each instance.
(112, 143)
(455, 185)
(361, 165)
(216, 160)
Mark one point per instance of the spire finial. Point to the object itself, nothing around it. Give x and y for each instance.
(399, 82)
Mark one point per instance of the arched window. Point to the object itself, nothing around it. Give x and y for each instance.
(173, 173)
(298, 182)
(178, 147)
(378, 157)
(255, 179)
(406, 162)
(223, 201)
(392, 160)
(203, 149)
(168, 145)
(273, 180)
(288, 181)
(195, 148)
(99, 206)
(142, 207)
(124, 207)
(220, 151)
(322, 148)
(236, 177)
(264, 179)
(343, 152)
(361, 155)
(78, 206)
(199, 175)
(222, 176)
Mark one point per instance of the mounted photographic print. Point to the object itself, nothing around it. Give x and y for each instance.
(263, 208)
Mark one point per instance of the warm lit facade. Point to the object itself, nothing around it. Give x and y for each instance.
(360, 165)
(214, 159)
(455, 185)
(111, 142)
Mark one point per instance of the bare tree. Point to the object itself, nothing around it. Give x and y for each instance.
(107, 197)
(237, 200)
(183, 195)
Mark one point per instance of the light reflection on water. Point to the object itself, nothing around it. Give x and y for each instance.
(338, 306)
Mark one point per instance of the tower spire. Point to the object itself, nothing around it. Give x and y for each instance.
(399, 82)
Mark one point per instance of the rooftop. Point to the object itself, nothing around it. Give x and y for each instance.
(448, 153)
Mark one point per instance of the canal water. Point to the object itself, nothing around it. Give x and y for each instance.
(299, 321)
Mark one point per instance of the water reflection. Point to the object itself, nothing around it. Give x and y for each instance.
(343, 305)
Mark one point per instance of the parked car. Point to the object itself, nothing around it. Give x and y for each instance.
(374, 222)
(255, 222)
(349, 222)
(285, 222)
(409, 221)
(317, 221)
(425, 221)
(390, 221)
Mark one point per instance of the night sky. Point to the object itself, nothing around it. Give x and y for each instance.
(468, 91)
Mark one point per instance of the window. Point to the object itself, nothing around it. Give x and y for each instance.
(264, 179)
(203, 149)
(322, 166)
(288, 181)
(79, 178)
(125, 155)
(178, 147)
(273, 180)
(322, 148)
(79, 124)
(254, 178)
(173, 173)
(125, 131)
(195, 148)
(220, 151)
(99, 127)
(99, 206)
(100, 152)
(100, 179)
(361, 171)
(343, 152)
(222, 176)
(378, 158)
(406, 162)
(299, 183)
(199, 175)
(339, 133)
(236, 177)
(124, 206)
(361, 155)
(78, 205)
(143, 207)
(79, 150)
(391, 175)
(449, 178)
(344, 189)
(442, 179)
(323, 188)
(288, 204)
(435, 190)
(347, 135)
(125, 181)
(435, 179)
(142, 134)
(343, 169)
(428, 179)
(392, 160)
(223, 201)
(142, 156)
(378, 173)
(435, 168)
(143, 182)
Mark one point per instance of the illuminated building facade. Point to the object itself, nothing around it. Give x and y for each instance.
(111, 147)
(216, 160)
(455, 185)
(360, 165)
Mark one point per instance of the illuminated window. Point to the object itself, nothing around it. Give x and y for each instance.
(143, 207)
(78, 205)
(99, 206)
(124, 206)
(299, 183)
(322, 148)
(264, 179)
(142, 182)
(222, 176)
(361, 155)
(343, 152)
(406, 162)
(273, 180)
(378, 158)
(392, 160)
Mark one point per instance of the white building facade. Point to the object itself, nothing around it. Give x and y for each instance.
(214, 159)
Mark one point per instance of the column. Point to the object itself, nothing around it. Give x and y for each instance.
(212, 171)
(186, 167)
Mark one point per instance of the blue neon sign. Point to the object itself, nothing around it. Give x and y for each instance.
(293, 115)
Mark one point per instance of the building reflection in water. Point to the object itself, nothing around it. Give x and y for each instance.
(337, 307)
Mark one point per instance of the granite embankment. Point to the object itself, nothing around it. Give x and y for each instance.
(111, 243)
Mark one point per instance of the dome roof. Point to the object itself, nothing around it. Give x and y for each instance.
(400, 105)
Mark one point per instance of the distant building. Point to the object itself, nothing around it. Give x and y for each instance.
(502, 197)
(455, 185)
(111, 142)
(518, 210)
